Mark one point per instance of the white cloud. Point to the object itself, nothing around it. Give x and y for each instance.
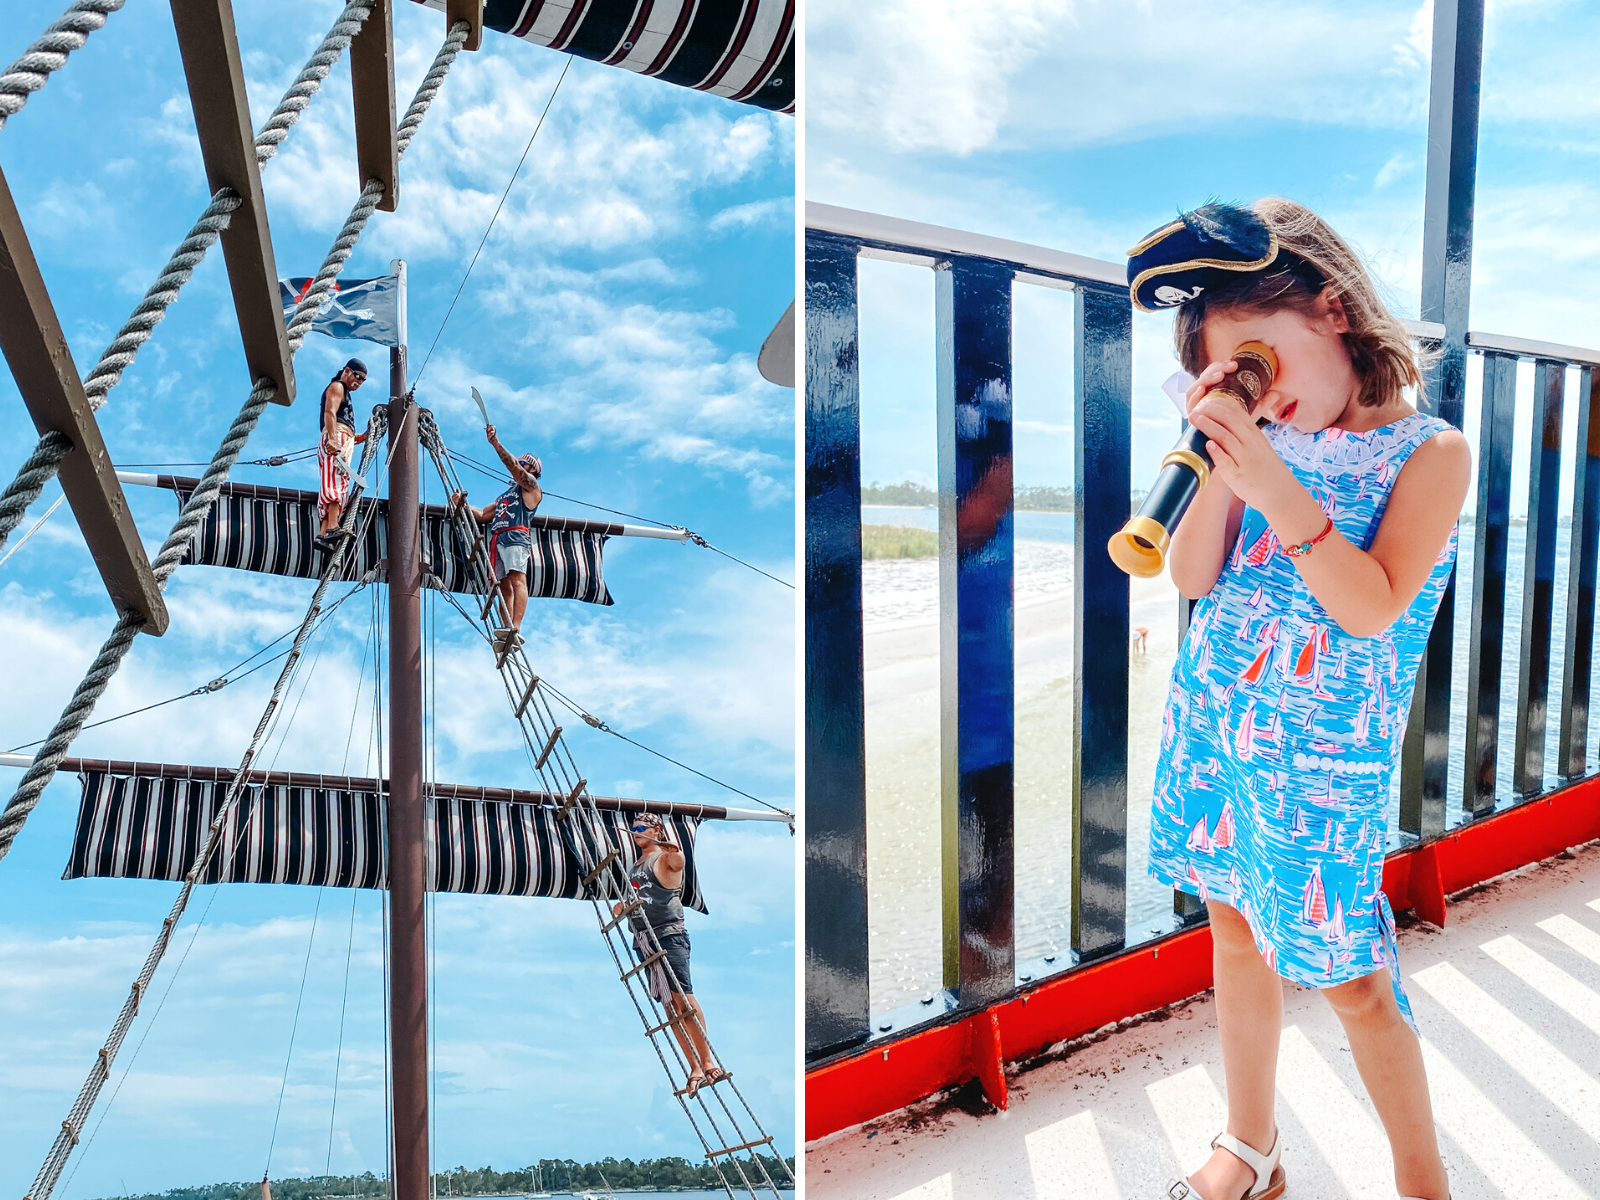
(959, 77)
(779, 210)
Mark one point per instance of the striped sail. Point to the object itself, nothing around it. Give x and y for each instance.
(138, 827)
(269, 529)
(740, 49)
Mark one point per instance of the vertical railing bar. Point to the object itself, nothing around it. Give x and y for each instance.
(1454, 89)
(977, 680)
(1578, 660)
(838, 999)
(1102, 440)
(1490, 537)
(1538, 577)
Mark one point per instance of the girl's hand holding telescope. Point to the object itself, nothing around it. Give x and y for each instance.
(1241, 457)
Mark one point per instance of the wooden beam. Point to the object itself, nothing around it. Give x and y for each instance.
(470, 11)
(372, 85)
(41, 364)
(210, 49)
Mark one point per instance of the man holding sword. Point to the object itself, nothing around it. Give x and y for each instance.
(510, 537)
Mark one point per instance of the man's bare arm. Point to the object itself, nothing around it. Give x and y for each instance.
(525, 479)
(330, 409)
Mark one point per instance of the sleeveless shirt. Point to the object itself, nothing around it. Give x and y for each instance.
(510, 520)
(346, 414)
(662, 905)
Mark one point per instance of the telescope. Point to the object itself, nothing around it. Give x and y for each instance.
(1140, 546)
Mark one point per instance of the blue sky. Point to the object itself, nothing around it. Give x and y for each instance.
(1083, 124)
(612, 326)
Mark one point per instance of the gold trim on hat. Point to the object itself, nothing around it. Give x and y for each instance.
(1150, 272)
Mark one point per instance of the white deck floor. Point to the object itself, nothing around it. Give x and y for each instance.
(1508, 1000)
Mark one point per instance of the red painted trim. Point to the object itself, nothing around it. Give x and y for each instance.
(626, 45)
(674, 39)
(770, 63)
(747, 22)
(893, 1074)
(569, 26)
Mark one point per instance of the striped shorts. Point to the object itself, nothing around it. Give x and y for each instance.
(335, 485)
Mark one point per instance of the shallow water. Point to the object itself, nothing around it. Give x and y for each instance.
(902, 729)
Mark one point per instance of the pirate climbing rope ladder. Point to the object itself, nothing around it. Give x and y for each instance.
(726, 1126)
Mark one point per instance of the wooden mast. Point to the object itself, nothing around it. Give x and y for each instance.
(408, 962)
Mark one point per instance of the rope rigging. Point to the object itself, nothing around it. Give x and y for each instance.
(211, 687)
(49, 51)
(716, 1109)
(193, 514)
(45, 461)
(694, 537)
(595, 723)
(61, 1150)
(483, 240)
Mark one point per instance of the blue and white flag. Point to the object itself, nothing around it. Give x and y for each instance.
(367, 310)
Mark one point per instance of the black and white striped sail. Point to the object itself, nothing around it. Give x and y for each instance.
(151, 827)
(271, 529)
(740, 49)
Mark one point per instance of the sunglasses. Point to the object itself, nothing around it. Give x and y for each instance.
(358, 378)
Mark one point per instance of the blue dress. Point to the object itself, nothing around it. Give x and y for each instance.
(1281, 730)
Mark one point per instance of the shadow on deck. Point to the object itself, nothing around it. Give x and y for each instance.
(1508, 1000)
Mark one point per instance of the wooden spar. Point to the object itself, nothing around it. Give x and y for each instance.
(470, 11)
(41, 363)
(408, 947)
(353, 783)
(210, 50)
(258, 491)
(372, 90)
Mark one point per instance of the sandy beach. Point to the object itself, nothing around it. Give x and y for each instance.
(902, 724)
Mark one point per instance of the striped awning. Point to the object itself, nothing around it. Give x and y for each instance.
(740, 49)
(142, 827)
(270, 530)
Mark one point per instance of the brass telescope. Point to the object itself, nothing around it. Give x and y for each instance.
(1140, 546)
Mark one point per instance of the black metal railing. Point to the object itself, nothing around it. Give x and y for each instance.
(974, 277)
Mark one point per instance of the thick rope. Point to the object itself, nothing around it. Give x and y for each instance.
(78, 710)
(310, 78)
(71, 1128)
(205, 494)
(45, 462)
(49, 53)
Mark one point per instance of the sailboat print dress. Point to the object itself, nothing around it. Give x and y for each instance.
(1281, 730)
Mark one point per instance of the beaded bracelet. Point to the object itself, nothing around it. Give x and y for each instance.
(1304, 548)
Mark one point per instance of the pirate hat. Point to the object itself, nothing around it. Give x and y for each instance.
(1194, 254)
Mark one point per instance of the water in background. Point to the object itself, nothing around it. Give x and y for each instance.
(902, 718)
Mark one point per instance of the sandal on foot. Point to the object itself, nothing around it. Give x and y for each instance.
(1270, 1181)
(717, 1075)
(696, 1082)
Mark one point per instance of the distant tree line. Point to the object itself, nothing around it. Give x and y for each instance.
(914, 495)
(550, 1174)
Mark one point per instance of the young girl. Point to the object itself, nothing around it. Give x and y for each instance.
(1318, 551)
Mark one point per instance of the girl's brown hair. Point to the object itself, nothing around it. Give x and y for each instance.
(1378, 345)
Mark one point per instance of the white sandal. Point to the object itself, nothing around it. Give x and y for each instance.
(1270, 1179)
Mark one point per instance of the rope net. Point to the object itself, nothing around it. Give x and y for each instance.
(89, 691)
(45, 461)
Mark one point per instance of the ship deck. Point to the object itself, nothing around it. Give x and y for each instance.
(1507, 996)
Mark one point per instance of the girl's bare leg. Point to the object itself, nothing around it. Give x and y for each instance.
(1250, 1022)
(1389, 1057)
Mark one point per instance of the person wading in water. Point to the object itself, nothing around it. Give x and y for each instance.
(335, 445)
(510, 538)
(657, 879)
